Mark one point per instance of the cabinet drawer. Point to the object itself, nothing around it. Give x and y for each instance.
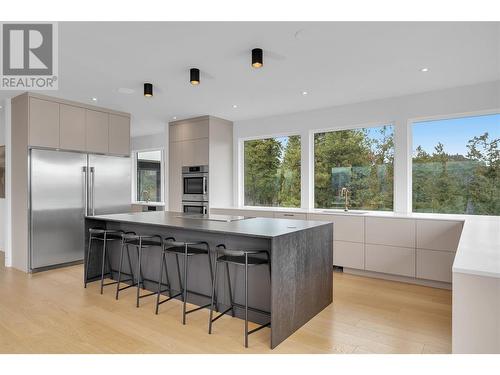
(290, 215)
(345, 228)
(438, 234)
(256, 213)
(435, 265)
(390, 259)
(43, 123)
(392, 232)
(349, 254)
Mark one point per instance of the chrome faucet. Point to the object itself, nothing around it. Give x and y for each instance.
(344, 192)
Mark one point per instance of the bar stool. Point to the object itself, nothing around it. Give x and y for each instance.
(140, 242)
(104, 235)
(186, 249)
(246, 259)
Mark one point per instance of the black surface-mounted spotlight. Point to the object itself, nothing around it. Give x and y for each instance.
(257, 58)
(148, 89)
(194, 76)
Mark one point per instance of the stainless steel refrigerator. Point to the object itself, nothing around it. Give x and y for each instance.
(64, 187)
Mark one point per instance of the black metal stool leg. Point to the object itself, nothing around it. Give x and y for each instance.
(181, 288)
(166, 274)
(119, 270)
(88, 262)
(185, 287)
(246, 300)
(130, 263)
(212, 276)
(229, 289)
(139, 271)
(214, 282)
(160, 278)
(103, 262)
(108, 260)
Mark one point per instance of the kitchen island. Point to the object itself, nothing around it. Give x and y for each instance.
(301, 258)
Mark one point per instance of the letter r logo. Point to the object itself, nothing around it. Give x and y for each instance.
(27, 49)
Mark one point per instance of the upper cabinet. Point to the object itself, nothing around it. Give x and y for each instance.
(186, 130)
(61, 124)
(97, 134)
(72, 127)
(119, 135)
(43, 123)
(204, 140)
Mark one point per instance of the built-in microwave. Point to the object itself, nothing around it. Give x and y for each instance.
(195, 183)
(195, 207)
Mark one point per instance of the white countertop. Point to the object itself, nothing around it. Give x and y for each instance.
(478, 251)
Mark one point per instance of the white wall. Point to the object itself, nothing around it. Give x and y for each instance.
(146, 142)
(398, 111)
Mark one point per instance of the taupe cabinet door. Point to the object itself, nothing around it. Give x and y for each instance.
(97, 136)
(44, 123)
(119, 135)
(72, 134)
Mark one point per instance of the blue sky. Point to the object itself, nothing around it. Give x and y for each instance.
(454, 133)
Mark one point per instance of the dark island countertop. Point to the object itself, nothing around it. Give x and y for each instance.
(252, 227)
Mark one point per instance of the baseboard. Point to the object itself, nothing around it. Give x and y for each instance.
(402, 279)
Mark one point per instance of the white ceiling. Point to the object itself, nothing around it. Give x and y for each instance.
(335, 62)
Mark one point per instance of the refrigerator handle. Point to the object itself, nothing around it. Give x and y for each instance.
(85, 190)
(204, 185)
(92, 189)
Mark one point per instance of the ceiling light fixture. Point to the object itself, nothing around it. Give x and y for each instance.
(93, 99)
(304, 93)
(424, 70)
(174, 118)
(257, 58)
(194, 76)
(235, 106)
(148, 90)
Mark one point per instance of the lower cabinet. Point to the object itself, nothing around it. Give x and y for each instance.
(435, 265)
(349, 254)
(390, 259)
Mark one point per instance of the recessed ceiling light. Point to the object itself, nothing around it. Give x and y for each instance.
(174, 118)
(125, 90)
(235, 106)
(304, 93)
(93, 99)
(424, 70)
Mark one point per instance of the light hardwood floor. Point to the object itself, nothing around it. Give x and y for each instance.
(51, 312)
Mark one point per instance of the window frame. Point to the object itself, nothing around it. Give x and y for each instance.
(162, 176)
(241, 169)
(372, 124)
(409, 129)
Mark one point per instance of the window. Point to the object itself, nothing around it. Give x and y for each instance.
(272, 172)
(361, 160)
(456, 165)
(149, 176)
